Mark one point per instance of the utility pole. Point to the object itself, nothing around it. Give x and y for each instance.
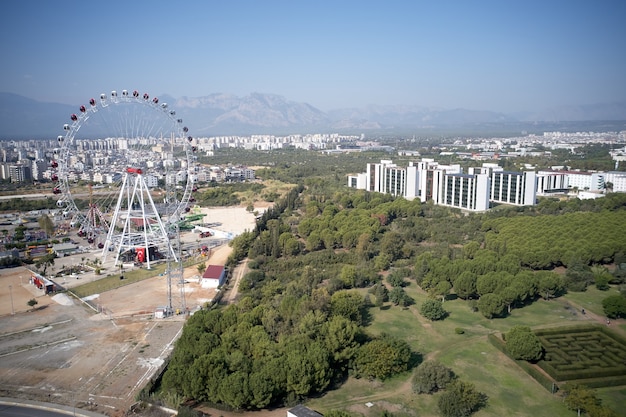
(11, 294)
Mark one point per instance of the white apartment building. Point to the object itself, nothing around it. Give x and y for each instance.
(448, 185)
(464, 191)
(618, 179)
(588, 181)
(552, 182)
(151, 180)
(517, 188)
(386, 178)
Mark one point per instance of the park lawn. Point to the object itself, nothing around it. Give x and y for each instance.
(510, 390)
(358, 391)
(614, 398)
(591, 299)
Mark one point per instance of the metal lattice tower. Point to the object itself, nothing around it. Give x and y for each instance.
(136, 226)
(175, 268)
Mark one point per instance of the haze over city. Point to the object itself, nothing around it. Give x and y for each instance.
(487, 55)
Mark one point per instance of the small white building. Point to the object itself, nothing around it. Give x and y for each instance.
(302, 411)
(213, 277)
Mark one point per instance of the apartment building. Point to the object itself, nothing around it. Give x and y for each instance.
(448, 185)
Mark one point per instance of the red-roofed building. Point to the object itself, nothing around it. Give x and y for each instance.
(213, 276)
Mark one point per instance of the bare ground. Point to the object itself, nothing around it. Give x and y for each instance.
(61, 351)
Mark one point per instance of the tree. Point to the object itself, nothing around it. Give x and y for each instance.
(491, 305)
(442, 289)
(380, 293)
(550, 284)
(201, 268)
(382, 357)
(398, 296)
(465, 285)
(578, 276)
(614, 306)
(433, 310)
(32, 302)
(430, 377)
(580, 398)
(395, 279)
(522, 343)
(391, 244)
(382, 262)
(45, 261)
(460, 399)
(601, 277)
(46, 224)
(348, 304)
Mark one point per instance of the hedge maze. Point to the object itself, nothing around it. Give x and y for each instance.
(591, 355)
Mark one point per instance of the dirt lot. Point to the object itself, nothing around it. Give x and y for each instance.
(63, 352)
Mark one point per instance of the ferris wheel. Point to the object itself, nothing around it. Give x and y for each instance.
(125, 171)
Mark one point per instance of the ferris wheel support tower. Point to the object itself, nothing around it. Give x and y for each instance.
(136, 226)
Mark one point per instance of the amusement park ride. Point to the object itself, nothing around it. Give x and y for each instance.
(145, 143)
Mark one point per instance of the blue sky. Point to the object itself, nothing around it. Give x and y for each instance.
(485, 55)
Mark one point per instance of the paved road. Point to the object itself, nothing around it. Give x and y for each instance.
(11, 408)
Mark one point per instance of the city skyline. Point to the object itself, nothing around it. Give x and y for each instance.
(486, 56)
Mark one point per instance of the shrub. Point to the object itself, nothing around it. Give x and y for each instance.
(430, 377)
(522, 343)
(614, 306)
(433, 310)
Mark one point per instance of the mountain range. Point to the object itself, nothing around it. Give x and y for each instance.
(256, 113)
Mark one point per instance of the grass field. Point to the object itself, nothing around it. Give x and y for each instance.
(592, 298)
(511, 391)
(113, 281)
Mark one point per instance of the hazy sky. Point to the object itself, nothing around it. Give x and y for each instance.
(485, 55)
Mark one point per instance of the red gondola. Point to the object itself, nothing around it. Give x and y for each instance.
(56, 190)
(155, 100)
(54, 177)
(189, 138)
(92, 102)
(74, 117)
(135, 93)
(146, 96)
(54, 164)
(83, 109)
(185, 129)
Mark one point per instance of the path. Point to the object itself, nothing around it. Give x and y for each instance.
(615, 325)
(240, 270)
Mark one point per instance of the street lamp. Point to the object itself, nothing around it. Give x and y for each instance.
(11, 294)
